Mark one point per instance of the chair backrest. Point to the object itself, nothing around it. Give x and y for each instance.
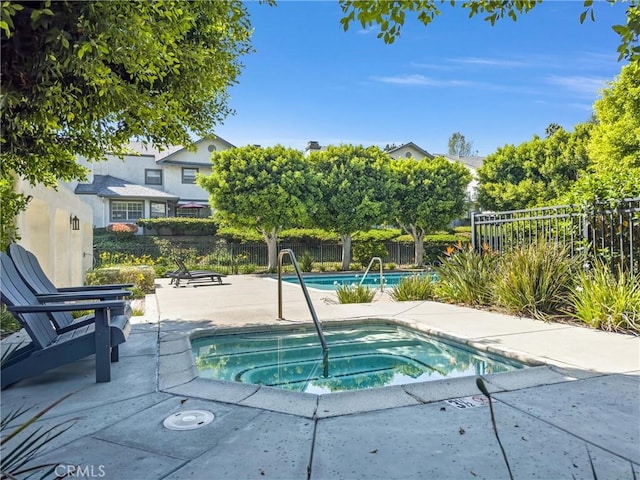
(28, 267)
(30, 270)
(14, 292)
(181, 265)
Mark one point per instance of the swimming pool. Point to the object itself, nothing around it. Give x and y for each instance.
(361, 356)
(372, 280)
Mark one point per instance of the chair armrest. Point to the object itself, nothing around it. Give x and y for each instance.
(66, 297)
(66, 307)
(114, 286)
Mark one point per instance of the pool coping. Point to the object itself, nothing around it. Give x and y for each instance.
(178, 375)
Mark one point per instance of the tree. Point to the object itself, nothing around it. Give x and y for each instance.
(551, 129)
(533, 173)
(459, 146)
(390, 17)
(614, 146)
(267, 189)
(83, 78)
(430, 194)
(357, 191)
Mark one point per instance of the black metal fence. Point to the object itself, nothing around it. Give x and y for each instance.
(610, 231)
(243, 257)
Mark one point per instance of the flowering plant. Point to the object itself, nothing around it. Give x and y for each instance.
(123, 230)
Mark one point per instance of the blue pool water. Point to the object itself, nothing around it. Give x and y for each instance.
(360, 357)
(372, 280)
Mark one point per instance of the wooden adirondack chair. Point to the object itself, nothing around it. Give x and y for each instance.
(48, 348)
(28, 267)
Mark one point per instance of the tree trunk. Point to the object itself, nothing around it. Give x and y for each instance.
(272, 248)
(346, 251)
(418, 240)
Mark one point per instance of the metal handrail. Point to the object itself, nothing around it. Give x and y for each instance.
(367, 271)
(288, 251)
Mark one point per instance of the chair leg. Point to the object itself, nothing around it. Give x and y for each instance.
(102, 346)
(115, 354)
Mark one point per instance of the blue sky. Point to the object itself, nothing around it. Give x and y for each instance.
(310, 80)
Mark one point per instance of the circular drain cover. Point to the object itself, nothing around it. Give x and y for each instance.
(188, 420)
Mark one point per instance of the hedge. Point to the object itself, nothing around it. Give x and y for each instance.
(178, 226)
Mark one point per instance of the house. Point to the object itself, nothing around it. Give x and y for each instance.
(472, 163)
(409, 150)
(149, 183)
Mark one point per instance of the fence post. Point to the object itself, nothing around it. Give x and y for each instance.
(473, 231)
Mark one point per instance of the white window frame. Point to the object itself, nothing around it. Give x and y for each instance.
(153, 214)
(187, 179)
(129, 210)
(152, 170)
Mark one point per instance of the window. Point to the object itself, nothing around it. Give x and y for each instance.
(187, 212)
(212, 148)
(126, 211)
(158, 210)
(153, 177)
(408, 154)
(189, 175)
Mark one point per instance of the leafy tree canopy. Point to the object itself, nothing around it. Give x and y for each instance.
(429, 195)
(458, 145)
(266, 189)
(533, 173)
(356, 186)
(614, 147)
(84, 77)
(356, 189)
(390, 16)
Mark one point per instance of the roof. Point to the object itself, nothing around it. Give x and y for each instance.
(473, 161)
(113, 187)
(412, 145)
(168, 157)
(164, 153)
(141, 148)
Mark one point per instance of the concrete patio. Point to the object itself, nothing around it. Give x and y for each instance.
(584, 399)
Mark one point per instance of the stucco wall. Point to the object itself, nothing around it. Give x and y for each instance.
(45, 228)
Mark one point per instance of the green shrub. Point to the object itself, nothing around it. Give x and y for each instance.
(355, 294)
(466, 276)
(415, 287)
(365, 250)
(239, 235)
(378, 235)
(142, 277)
(534, 280)
(8, 323)
(248, 268)
(179, 225)
(434, 249)
(306, 261)
(123, 231)
(603, 300)
(390, 266)
(308, 235)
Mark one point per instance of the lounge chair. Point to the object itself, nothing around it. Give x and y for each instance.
(49, 349)
(28, 267)
(193, 276)
(30, 270)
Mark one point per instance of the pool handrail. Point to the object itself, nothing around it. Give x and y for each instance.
(367, 271)
(314, 316)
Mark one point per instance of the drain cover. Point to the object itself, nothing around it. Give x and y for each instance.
(188, 420)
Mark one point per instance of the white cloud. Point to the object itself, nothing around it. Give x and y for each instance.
(421, 80)
(491, 62)
(589, 86)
